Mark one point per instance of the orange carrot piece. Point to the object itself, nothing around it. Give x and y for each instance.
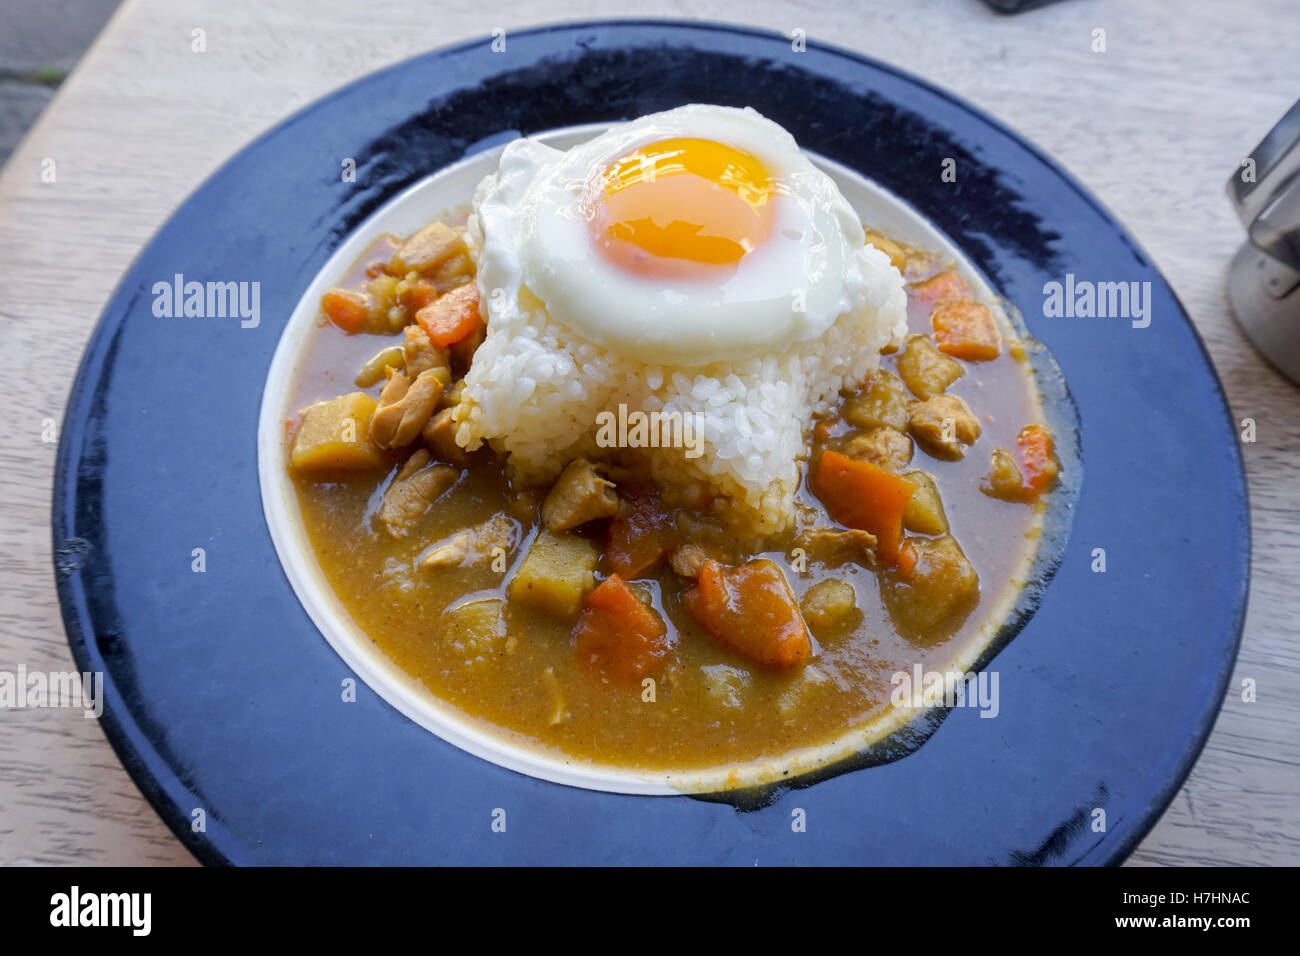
(751, 611)
(966, 330)
(863, 495)
(1038, 465)
(451, 317)
(617, 636)
(907, 559)
(346, 308)
(641, 535)
(935, 289)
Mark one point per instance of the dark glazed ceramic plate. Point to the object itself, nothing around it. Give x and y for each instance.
(222, 697)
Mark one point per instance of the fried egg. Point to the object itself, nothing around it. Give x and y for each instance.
(696, 235)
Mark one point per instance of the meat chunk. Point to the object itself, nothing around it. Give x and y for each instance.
(579, 495)
(834, 546)
(688, 559)
(421, 355)
(404, 407)
(439, 435)
(925, 369)
(417, 485)
(944, 424)
(887, 447)
(940, 588)
(474, 545)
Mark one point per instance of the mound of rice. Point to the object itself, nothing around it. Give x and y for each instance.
(536, 388)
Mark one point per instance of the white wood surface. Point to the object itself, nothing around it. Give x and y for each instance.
(1154, 126)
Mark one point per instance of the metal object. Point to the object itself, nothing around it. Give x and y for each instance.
(1264, 278)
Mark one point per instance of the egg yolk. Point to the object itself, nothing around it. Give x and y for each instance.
(681, 207)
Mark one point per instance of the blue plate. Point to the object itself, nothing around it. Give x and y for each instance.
(223, 701)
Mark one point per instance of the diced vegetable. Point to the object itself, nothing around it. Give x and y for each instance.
(751, 611)
(726, 685)
(925, 369)
(346, 308)
(882, 402)
(414, 296)
(377, 366)
(863, 495)
(421, 355)
(617, 636)
(641, 534)
(1038, 456)
(1036, 473)
(477, 631)
(427, 249)
(940, 587)
(944, 425)
(924, 513)
(557, 571)
(934, 290)
(453, 272)
(1004, 479)
(967, 330)
(828, 604)
(451, 317)
(334, 435)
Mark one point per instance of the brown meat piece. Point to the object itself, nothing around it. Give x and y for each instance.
(1004, 479)
(439, 434)
(834, 546)
(887, 447)
(422, 355)
(579, 495)
(412, 491)
(474, 545)
(427, 249)
(881, 401)
(944, 424)
(404, 407)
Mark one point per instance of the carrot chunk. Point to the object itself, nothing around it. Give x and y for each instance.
(751, 611)
(642, 533)
(451, 317)
(617, 636)
(345, 308)
(966, 330)
(863, 495)
(418, 294)
(934, 290)
(1038, 458)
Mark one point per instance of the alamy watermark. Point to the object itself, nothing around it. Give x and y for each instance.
(208, 300)
(921, 688)
(1084, 299)
(22, 690)
(638, 429)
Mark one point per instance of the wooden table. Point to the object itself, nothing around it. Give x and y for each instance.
(1154, 126)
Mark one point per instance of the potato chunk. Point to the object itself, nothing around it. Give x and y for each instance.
(1004, 479)
(944, 424)
(427, 249)
(881, 403)
(925, 369)
(557, 571)
(828, 604)
(334, 435)
(940, 588)
(924, 513)
(477, 631)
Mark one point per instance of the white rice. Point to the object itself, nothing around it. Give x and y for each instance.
(535, 389)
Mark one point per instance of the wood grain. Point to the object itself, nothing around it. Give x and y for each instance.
(1154, 126)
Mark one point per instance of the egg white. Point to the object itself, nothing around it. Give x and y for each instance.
(790, 288)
